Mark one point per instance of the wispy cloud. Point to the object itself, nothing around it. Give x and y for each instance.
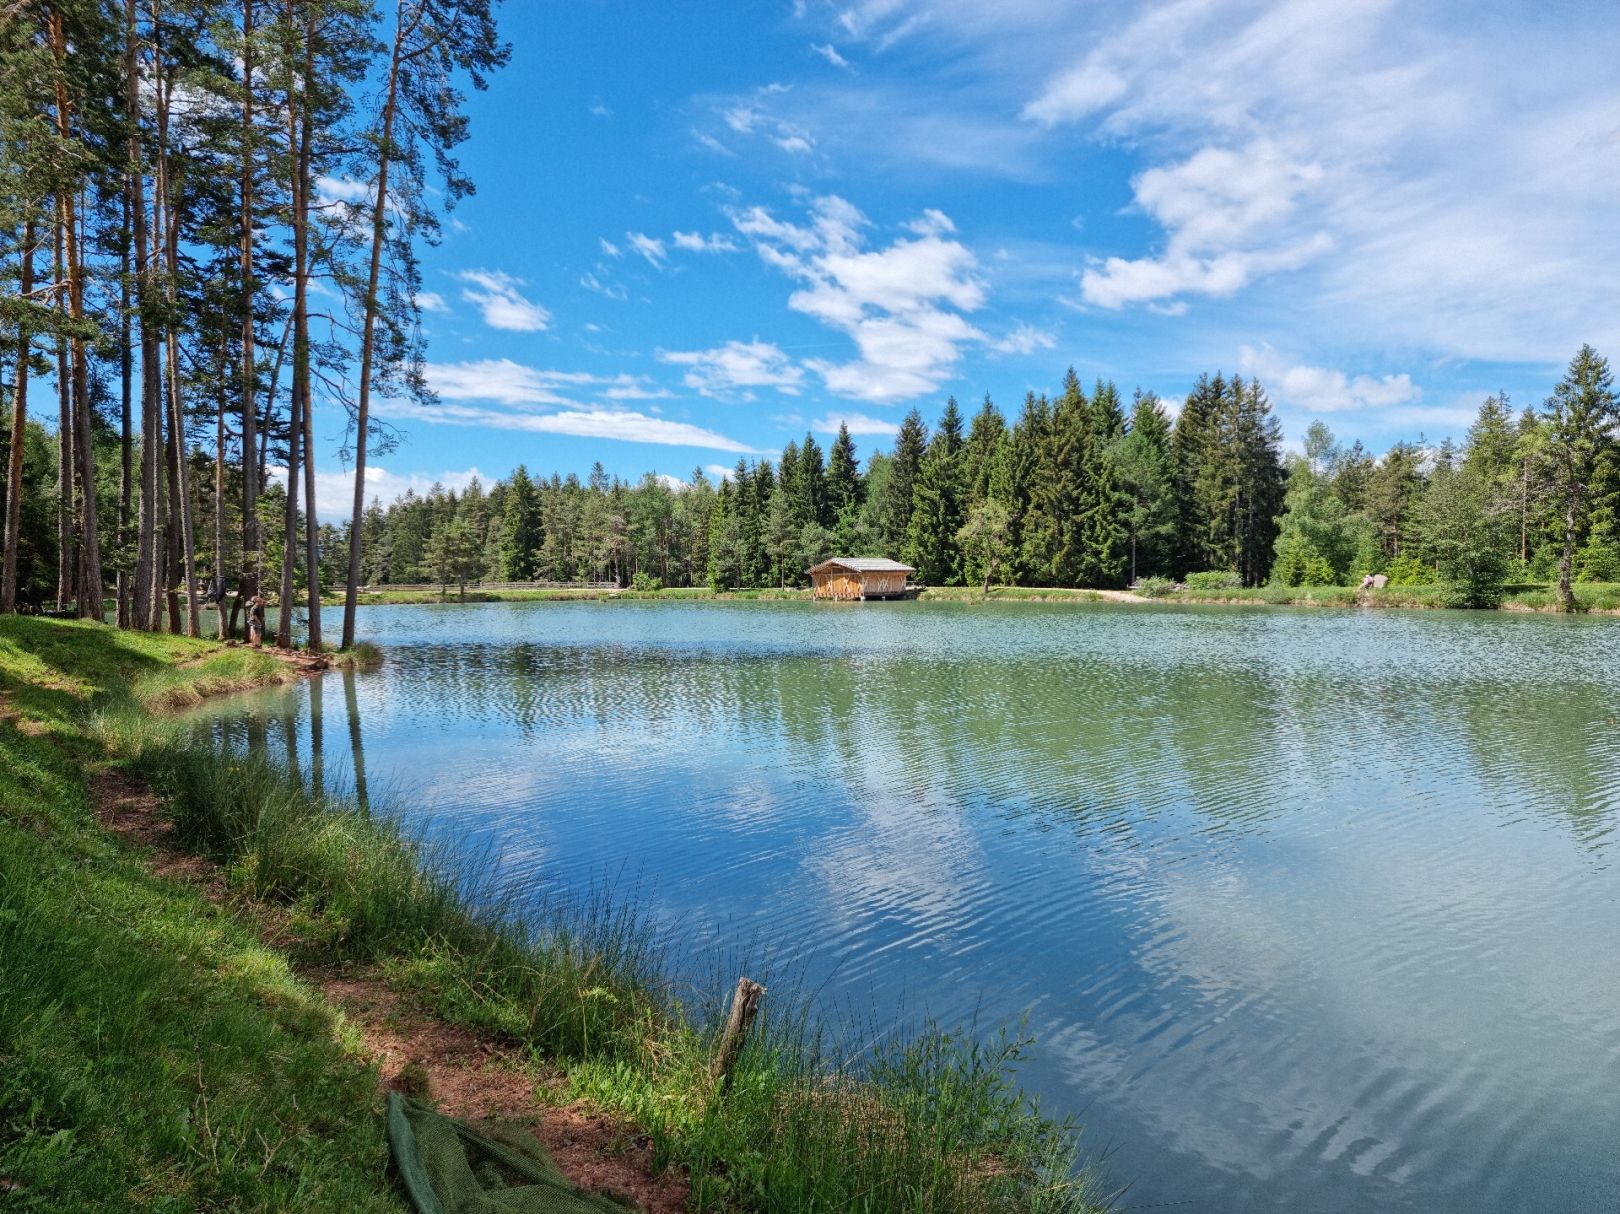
(496, 295)
(1321, 389)
(732, 370)
(650, 247)
(431, 301)
(903, 305)
(859, 424)
(1025, 339)
(1223, 209)
(617, 425)
(829, 52)
(714, 242)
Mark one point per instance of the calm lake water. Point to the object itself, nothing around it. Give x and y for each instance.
(1308, 910)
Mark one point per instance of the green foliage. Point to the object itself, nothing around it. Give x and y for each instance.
(1213, 579)
(1154, 587)
(646, 582)
(1407, 570)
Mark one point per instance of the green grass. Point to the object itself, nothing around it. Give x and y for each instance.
(153, 1054)
(157, 1056)
(937, 1125)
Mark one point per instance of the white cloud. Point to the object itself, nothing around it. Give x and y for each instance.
(501, 380)
(1431, 181)
(673, 483)
(696, 242)
(611, 290)
(649, 247)
(1076, 93)
(1223, 209)
(719, 471)
(1025, 339)
(755, 117)
(608, 247)
(732, 369)
(858, 423)
(829, 52)
(496, 295)
(334, 488)
(587, 421)
(509, 383)
(1321, 390)
(431, 301)
(902, 305)
(598, 110)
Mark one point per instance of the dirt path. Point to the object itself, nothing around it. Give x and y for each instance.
(463, 1075)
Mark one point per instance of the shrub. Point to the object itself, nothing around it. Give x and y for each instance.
(1214, 579)
(1407, 570)
(646, 582)
(1154, 587)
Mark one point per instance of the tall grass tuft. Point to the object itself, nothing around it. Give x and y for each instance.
(933, 1122)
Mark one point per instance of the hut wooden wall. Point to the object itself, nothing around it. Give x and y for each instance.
(833, 585)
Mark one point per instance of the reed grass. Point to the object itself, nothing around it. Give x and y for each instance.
(930, 1123)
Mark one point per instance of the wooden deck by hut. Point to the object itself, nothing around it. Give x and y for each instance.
(856, 578)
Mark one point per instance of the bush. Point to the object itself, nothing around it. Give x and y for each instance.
(1214, 579)
(646, 582)
(1407, 570)
(1597, 562)
(1153, 587)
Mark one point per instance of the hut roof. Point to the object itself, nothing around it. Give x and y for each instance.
(863, 564)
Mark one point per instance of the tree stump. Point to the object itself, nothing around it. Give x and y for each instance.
(744, 1007)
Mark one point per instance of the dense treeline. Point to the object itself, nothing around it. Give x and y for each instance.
(209, 225)
(209, 222)
(1078, 491)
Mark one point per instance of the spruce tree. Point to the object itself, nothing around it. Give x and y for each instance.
(521, 532)
(904, 467)
(1147, 477)
(938, 508)
(1581, 416)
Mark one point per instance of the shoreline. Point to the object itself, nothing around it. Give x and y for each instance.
(288, 915)
(1592, 598)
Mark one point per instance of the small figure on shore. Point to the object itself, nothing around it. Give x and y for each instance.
(256, 621)
(1374, 581)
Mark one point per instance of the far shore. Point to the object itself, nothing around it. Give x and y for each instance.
(1591, 598)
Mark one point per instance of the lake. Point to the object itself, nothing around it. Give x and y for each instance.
(1307, 910)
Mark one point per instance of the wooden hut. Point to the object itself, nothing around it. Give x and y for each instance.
(857, 578)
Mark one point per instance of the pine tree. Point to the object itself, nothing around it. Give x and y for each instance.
(904, 467)
(521, 530)
(1581, 415)
(1147, 477)
(938, 509)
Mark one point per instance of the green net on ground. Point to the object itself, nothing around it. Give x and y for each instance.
(449, 1168)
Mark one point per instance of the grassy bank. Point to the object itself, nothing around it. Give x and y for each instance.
(380, 598)
(1592, 597)
(153, 1054)
(933, 1123)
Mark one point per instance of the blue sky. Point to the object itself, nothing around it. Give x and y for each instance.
(702, 229)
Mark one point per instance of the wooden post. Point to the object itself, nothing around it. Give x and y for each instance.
(744, 1006)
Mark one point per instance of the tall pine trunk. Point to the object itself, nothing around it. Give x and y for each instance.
(248, 584)
(301, 370)
(19, 419)
(126, 380)
(64, 437)
(379, 218)
(182, 535)
(146, 575)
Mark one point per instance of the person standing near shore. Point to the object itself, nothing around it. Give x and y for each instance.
(256, 621)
